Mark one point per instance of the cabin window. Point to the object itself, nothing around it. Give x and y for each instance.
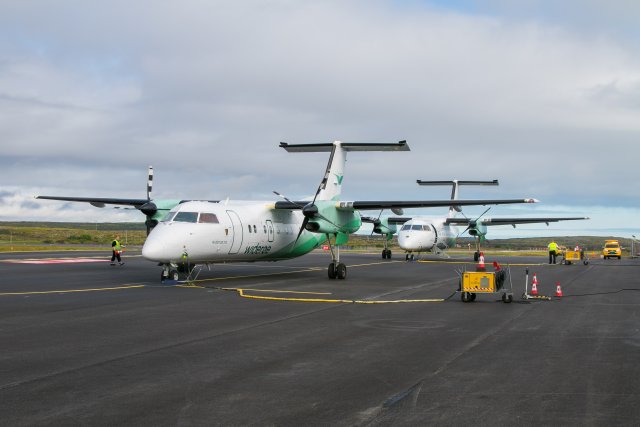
(168, 217)
(255, 229)
(416, 227)
(406, 227)
(265, 229)
(186, 217)
(249, 228)
(208, 218)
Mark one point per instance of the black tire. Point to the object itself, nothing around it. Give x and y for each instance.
(331, 271)
(341, 271)
(406, 257)
(476, 256)
(466, 297)
(388, 253)
(619, 257)
(507, 298)
(412, 257)
(585, 262)
(473, 296)
(384, 254)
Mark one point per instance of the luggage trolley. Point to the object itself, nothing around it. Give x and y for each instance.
(569, 257)
(485, 282)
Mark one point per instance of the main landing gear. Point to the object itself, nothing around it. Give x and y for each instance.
(336, 269)
(409, 257)
(386, 252)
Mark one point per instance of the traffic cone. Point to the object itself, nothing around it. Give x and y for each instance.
(480, 266)
(534, 285)
(558, 289)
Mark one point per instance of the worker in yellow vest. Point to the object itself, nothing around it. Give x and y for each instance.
(116, 247)
(553, 252)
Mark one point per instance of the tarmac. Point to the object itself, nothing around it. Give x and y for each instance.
(84, 343)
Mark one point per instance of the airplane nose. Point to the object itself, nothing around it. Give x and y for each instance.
(155, 247)
(153, 250)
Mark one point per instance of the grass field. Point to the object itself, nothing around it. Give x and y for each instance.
(34, 236)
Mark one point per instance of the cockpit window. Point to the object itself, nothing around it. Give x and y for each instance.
(208, 218)
(416, 227)
(186, 217)
(406, 227)
(168, 217)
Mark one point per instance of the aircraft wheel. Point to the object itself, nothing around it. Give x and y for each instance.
(331, 271)
(341, 271)
(466, 297)
(406, 257)
(174, 275)
(585, 262)
(476, 256)
(412, 257)
(388, 253)
(507, 298)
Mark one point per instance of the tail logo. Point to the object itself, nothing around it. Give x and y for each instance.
(339, 178)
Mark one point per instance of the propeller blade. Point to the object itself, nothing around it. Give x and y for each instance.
(304, 224)
(150, 183)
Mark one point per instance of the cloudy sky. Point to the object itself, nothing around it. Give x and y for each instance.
(544, 96)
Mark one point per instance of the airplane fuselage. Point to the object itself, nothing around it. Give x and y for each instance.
(205, 232)
(423, 235)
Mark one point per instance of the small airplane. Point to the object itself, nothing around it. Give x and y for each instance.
(209, 232)
(436, 235)
(153, 209)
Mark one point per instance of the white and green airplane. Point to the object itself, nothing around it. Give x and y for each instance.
(418, 235)
(200, 232)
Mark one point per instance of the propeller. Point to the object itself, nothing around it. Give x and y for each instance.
(149, 208)
(376, 222)
(310, 210)
(473, 222)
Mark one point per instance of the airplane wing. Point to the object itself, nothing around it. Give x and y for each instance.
(402, 204)
(98, 202)
(511, 221)
(390, 219)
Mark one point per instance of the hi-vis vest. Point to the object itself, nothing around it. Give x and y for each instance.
(117, 246)
(553, 246)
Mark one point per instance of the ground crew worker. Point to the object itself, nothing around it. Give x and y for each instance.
(116, 247)
(553, 252)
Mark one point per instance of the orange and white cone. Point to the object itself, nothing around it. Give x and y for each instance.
(534, 285)
(558, 289)
(481, 266)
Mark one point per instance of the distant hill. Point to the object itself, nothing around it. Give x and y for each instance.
(104, 226)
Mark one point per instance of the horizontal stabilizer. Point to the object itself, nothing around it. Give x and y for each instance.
(451, 182)
(346, 146)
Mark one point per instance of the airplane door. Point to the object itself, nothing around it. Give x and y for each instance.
(269, 230)
(238, 231)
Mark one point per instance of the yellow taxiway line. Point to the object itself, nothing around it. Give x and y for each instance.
(475, 263)
(68, 291)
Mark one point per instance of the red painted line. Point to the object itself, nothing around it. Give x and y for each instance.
(55, 261)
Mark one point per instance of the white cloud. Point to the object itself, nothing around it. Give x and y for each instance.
(205, 91)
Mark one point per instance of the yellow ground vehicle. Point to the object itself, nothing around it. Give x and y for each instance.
(611, 249)
(474, 282)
